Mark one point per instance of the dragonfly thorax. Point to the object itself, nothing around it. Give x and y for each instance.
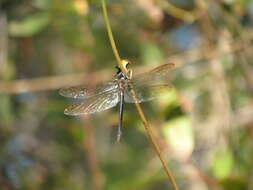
(121, 75)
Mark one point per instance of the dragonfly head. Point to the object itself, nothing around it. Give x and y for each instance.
(123, 68)
(124, 65)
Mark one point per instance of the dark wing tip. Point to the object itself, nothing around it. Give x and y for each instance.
(62, 92)
(70, 112)
(67, 112)
(170, 64)
(73, 111)
(68, 92)
(164, 67)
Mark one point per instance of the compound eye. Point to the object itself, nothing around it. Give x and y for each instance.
(127, 64)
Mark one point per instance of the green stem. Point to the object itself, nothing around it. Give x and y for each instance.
(139, 109)
(109, 31)
(151, 136)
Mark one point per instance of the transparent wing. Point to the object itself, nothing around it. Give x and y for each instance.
(146, 93)
(88, 91)
(149, 85)
(94, 104)
(156, 76)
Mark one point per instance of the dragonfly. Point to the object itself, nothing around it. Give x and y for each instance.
(122, 88)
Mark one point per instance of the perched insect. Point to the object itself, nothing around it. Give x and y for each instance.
(123, 88)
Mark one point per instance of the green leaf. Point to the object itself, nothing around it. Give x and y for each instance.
(151, 54)
(223, 164)
(29, 26)
(179, 134)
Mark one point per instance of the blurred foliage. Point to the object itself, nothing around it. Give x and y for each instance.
(204, 125)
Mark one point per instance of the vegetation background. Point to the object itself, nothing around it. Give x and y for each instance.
(203, 126)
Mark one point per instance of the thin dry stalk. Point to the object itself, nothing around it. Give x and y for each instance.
(154, 142)
(210, 182)
(219, 91)
(176, 12)
(90, 145)
(3, 42)
(141, 113)
(56, 82)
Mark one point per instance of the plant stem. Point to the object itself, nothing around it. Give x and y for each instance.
(109, 31)
(148, 129)
(176, 12)
(138, 107)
